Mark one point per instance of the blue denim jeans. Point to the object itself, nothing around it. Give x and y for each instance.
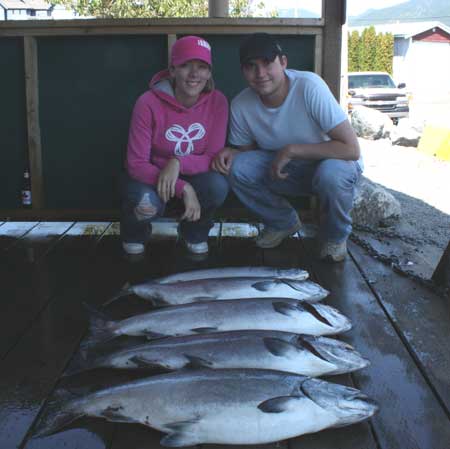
(332, 180)
(211, 189)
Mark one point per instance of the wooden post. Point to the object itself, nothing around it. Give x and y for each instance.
(33, 126)
(218, 8)
(441, 275)
(333, 13)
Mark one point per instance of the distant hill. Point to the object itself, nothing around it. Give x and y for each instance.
(297, 12)
(410, 11)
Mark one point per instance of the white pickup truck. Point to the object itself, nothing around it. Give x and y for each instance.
(377, 90)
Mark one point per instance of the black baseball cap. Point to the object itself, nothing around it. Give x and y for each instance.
(259, 46)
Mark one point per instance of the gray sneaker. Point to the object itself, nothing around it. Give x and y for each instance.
(333, 252)
(270, 238)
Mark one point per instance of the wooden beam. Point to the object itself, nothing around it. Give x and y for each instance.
(218, 8)
(159, 26)
(33, 126)
(318, 54)
(442, 273)
(332, 14)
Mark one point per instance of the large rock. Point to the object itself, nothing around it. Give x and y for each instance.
(370, 123)
(407, 133)
(374, 206)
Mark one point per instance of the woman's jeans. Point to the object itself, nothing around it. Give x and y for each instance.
(135, 227)
(332, 180)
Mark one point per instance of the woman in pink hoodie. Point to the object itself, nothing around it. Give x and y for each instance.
(176, 129)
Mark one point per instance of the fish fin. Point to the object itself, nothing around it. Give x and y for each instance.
(277, 405)
(204, 330)
(279, 347)
(314, 312)
(197, 362)
(263, 286)
(101, 328)
(284, 308)
(203, 298)
(78, 364)
(112, 413)
(180, 434)
(142, 362)
(57, 413)
(124, 291)
(153, 335)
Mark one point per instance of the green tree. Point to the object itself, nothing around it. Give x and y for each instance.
(353, 51)
(153, 8)
(370, 51)
(369, 48)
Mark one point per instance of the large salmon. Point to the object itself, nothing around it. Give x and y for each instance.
(183, 292)
(281, 351)
(277, 314)
(233, 272)
(239, 406)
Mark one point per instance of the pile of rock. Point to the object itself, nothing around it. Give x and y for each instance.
(372, 124)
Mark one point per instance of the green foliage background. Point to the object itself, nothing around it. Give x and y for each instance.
(120, 9)
(370, 51)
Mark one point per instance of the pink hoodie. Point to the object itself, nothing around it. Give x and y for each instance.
(161, 128)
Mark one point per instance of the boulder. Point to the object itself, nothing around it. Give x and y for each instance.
(374, 206)
(407, 133)
(370, 123)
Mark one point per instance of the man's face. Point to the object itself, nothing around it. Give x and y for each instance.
(265, 77)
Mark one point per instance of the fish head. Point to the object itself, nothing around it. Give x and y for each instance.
(347, 404)
(307, 288)
(337, 352)
(330, 316)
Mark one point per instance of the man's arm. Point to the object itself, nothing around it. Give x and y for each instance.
(223, 160)
(343, 145)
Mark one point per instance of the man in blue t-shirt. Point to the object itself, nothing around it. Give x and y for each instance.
(288, 136)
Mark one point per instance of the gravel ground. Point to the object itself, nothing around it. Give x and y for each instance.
(421, 184)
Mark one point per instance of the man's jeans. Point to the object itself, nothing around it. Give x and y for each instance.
(332, 180)
(211, 189)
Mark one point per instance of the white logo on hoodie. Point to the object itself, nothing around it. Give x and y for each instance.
(176, 133)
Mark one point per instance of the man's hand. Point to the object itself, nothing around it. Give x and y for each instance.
(192, 209)
(280, 161)
(223, 160)
(167, 179)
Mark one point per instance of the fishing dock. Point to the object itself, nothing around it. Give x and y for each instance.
(49, 269)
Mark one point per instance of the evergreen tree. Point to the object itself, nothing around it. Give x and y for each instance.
(353, 51)
(370, 52)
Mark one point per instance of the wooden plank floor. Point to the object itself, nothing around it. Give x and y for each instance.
(48, 270)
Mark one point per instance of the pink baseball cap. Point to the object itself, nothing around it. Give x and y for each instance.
(188, 48)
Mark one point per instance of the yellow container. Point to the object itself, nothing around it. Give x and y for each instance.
(435, 141)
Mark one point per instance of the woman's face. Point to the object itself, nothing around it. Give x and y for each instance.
(190, 80)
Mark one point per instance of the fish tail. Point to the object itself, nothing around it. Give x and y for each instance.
(79, 363)
(124, 291)
(101, 328)
(58, 412)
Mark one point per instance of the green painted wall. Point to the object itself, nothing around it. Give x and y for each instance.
(13, 123)
(88, 86)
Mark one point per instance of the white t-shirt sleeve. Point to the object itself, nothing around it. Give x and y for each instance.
(239, 132)
(324, 108)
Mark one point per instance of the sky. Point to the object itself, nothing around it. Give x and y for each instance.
(354, 7)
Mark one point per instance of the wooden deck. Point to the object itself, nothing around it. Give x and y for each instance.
(49, 269)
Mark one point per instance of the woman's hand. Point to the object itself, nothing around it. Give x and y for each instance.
(192, 209)
(167, 179)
